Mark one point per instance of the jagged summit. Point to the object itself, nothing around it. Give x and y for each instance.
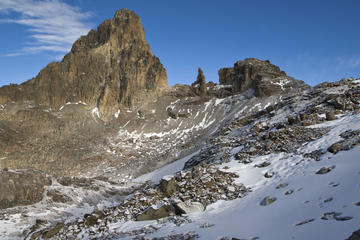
(262, 76)
(110, 67)
(123, 28)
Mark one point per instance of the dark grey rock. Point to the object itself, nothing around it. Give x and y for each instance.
(267, 201)
(168, 186)
(305, 222)
(354, 236)
(330, 115)
(325, 170)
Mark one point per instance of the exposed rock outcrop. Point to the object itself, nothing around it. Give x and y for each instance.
(262, 76)
(200, 84)
(22, 187)
(355, 235)
(109, 67)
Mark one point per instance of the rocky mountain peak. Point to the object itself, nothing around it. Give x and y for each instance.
(262, 76)
(125, 27)
(109, 68)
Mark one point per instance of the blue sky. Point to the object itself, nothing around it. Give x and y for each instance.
(313, 41)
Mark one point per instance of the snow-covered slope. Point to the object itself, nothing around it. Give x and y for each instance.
(307, 205)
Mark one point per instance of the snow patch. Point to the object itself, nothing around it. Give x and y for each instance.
(116, 115)
(95, 113)
(75, 103)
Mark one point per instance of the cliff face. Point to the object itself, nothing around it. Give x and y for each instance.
(262, 76)
(110, 67)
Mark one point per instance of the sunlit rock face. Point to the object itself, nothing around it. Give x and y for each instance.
(110, 67)
(262, 76)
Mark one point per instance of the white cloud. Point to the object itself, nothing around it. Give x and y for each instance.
(53, 25)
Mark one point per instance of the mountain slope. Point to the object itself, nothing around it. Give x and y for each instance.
(284, 172)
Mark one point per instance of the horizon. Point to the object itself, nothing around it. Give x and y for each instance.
(311, 44)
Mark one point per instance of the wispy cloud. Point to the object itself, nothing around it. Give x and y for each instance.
(351, 62)
(52, 24)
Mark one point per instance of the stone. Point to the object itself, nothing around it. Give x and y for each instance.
(293, 120)
(262, 165)
(335, 148)
(305, 222)
(316, 154)
(53, 231)
(257, 127)
(267, 201)
(330, 115)
(339, 103)
(92, 219)
(110, 67)
(189, 207)
(243, 158)
(172, 114)
(268, 174)
(325, 170)
(303, 116)
(168, 186)
(328, 200)
(335, 216)
(153, 213)
(282, 185)
(289, 192)
(35, 235)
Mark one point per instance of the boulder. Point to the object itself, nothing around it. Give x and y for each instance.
(267, 201)
(325, 170)
(189, 207)
(154, 213)
(168, 185)
(53, 231)
(262, 165)
(335, 148)
(268, 174)
(93, 218)
(330, 115)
